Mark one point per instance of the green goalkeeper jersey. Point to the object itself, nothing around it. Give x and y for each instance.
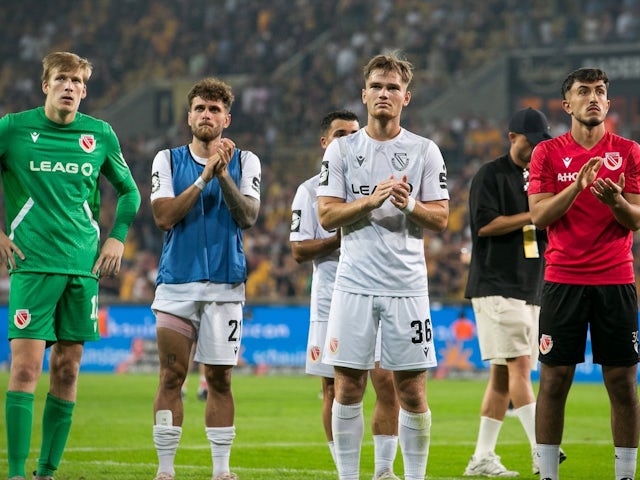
(52, 198)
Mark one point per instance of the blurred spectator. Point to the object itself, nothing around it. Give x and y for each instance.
(296, 58)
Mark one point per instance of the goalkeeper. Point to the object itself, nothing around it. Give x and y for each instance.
(51, 158)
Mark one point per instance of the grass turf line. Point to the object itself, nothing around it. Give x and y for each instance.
(279, 431)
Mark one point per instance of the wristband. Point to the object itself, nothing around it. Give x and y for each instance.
(200, 183)
(411, 204)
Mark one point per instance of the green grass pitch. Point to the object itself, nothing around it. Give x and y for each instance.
(280, 436)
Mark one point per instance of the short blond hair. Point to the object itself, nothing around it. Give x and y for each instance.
(390, 62)
(66, 62)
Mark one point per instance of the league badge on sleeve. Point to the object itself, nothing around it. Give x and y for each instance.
(324, 174)
(155, 182)
(295, 220)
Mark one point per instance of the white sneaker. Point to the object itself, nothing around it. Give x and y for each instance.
(488, 466)
(535, 466)
(226, 476)
(164, 476)
(386, 475)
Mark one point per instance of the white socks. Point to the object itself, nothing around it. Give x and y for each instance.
(487, 436)
(414, 432)
(527, 416)
(384, 448)
(220, 440)
(548, 460)
(166, 440)
(347, 423)
(625, 462)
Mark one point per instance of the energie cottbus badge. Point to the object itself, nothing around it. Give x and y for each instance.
(333, 345)
(546, 344)
(87, 142)
(22, 318)
(314, 353)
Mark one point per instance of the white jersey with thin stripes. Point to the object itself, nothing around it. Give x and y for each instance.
(383, 253)
(306, 226)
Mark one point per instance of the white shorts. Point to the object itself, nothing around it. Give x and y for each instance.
(406, 333)
(218, 328)
(507, 328)
(315, 345)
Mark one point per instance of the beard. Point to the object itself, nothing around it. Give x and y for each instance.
(589, 122)
(206, 133)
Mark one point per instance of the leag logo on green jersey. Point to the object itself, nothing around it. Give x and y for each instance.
(45, 166)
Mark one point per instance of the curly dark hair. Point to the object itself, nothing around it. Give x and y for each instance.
(212, 89)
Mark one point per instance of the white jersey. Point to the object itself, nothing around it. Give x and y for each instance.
(162, 187)
(306, 226)
(383, 253)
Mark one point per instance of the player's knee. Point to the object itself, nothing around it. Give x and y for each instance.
(23, 374)
(173, 378)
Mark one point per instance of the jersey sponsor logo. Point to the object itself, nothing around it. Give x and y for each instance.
(87, 142)
(155, 182)
(368, 190)
(255, 184)
(22, 318)
(567, 177)
(51, 167)
(612, 160)
(546, 344)
(363, 189)
(314, 353)
(360, 159)
(400, 161)
(295, 220)
(333, 345)
(567, 161)
(35, 136)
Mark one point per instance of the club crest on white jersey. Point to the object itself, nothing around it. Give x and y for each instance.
(400, 161)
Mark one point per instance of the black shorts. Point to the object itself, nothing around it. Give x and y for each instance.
(609, 312)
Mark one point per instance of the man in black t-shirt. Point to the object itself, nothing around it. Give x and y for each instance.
(505, 278)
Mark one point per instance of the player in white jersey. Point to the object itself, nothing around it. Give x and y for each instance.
(309, 241)
(382, 186)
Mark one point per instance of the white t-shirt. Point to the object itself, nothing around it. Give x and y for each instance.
(383, 253)
(161, 169)
(162, 187)
(306, 226)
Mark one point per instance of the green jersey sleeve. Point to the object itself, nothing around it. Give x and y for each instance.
(117, 172)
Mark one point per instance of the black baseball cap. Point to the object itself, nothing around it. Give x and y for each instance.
(532, 124)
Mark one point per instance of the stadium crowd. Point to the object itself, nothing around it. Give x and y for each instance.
(298, 58)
